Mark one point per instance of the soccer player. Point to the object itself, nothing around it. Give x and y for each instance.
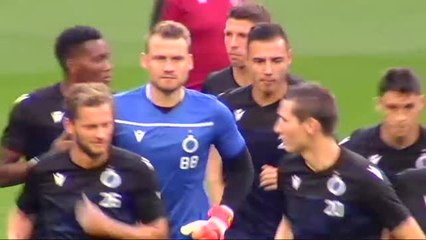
(205, 19)
(174, 127)
(411, 190)
(255, 110)
(36, 118)
(240, 20)
(399, 141)
(330, 191)
(94, 189)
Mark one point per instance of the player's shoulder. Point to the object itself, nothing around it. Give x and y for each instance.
(130, 94)
(201, 99)
(219, 75)
(362, 135)
(236, 97)
(294, 80)
(411, 176)
(50, 161)
(360, 169)
(127, 158)
(291, 162)
(40, 95)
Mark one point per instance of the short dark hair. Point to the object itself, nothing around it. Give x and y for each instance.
(70, 39)
(88, 94)
(170, 30)
(401, 80)
(266, 32)
(255, 13)
(313, 101)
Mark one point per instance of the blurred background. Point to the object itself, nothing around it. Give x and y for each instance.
(344, 45)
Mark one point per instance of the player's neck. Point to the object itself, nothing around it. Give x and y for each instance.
(322, 154)
(242, 76)
(81, 159)
(399, 142)
(64, 86)
(265, 99)
(164, 99)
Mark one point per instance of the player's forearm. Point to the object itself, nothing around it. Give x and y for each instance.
(214, 177)
(408, 229)
(20, 225)
(13, 173)
(119, 230)
(239, 179)
(284, 230)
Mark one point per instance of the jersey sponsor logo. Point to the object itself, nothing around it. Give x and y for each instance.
(421, 161)
(238, 114)
(334, 208)
(375, 171)
(190, 144)
(139, 134)
(295, 182)
(57, 116)
(59, 179)
(110, 200)
(336, 185)
(375, 159)
(110, 178)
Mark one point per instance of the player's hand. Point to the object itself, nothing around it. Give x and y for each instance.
(90, 217)
(62, 143)
(269, 178)
(220, 218)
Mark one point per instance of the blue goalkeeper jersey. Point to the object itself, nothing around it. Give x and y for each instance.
(177, 142)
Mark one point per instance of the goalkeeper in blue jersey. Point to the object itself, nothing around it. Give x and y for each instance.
(174, 127)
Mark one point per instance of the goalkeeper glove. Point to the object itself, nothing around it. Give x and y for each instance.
(220, 219)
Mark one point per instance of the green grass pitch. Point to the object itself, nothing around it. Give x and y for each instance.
(345, 45)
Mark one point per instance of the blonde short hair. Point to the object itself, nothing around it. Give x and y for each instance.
(89, 94)
(170, 30)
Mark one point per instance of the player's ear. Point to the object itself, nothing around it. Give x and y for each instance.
(311, 125)
(144, 60)
(421, 101)
(290, 55)
(68, 126)
(70, 65)
(191, 61)
(378, 104)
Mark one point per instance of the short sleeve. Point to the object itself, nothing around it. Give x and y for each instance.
(27, 200)
(228, 140)
(16, 133)
(381, 197)
(148, 198)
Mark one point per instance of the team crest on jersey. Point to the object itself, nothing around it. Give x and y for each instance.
(238, 114)
(57, 116)
(110, 178)
(336, 185)
(421, 161)
(190, 144)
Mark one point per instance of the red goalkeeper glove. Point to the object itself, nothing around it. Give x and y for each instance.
(220, 219)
